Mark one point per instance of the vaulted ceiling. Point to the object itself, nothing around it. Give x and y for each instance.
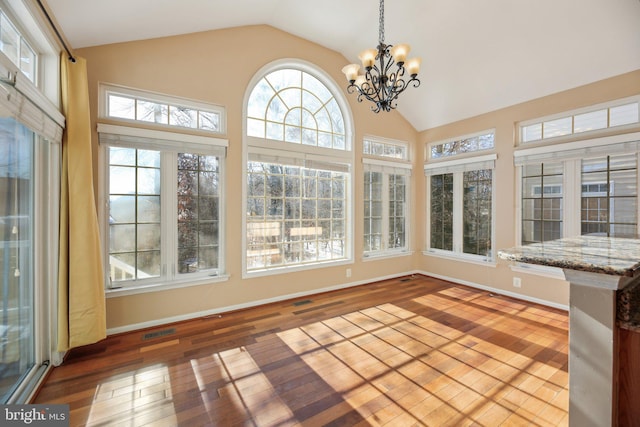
(477, 56)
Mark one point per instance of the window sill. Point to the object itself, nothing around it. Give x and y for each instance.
(373, 256)
(294, 268)
(472, 259)
(147, 288)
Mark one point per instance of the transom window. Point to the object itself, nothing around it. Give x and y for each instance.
(298, 171)
(17, 48)
(598, 117)
(385, 149)
(466, 144)
(135, 105)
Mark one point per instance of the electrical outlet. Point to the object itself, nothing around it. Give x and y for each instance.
(348, 272)
(517, 283)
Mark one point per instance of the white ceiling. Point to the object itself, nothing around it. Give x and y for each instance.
(477, 55)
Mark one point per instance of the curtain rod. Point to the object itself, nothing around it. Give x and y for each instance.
(55, 29)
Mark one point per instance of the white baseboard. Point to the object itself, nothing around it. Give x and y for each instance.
(195, 315)
(497, 290)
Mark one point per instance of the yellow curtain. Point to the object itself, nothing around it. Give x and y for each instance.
(81, 300)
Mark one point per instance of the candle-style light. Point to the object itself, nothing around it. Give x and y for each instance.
(382, 82)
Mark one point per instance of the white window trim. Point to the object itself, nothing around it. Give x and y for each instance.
(458, 166)
(123, 136)
(388, 167)
(250, 144)
(459, 256)
(105, 89)
(576, 112)
(468, 163)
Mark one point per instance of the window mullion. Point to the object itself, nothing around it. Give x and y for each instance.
(168, 219)
(385, 211)
(458, 208)
(572, 196)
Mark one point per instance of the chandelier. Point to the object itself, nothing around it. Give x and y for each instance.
(381, 82)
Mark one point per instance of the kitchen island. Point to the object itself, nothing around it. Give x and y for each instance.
(603, 275)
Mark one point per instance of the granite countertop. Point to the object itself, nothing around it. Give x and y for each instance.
(595, 254)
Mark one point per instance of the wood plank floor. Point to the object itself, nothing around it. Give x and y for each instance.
(411, 351)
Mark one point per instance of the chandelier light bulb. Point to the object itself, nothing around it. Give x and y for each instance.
(399, 53)
(368, 57)
(351, 72)
(413, 66)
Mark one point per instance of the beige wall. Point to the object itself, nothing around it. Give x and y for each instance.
(505, 124)
(216, 67)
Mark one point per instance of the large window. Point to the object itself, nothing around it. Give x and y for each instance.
(163, 222)
(583, 187)
(460, 212)
(163, 190)
(296, 215)
(298, 179)
(460, 200)
(387, 172)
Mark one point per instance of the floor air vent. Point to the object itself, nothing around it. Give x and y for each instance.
(303, 302)
(157, 334)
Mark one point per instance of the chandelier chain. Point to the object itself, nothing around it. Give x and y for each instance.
(381, 22)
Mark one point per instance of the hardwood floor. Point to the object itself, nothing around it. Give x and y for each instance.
(403, 352)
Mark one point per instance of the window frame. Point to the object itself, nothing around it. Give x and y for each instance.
(169, 144)
(107, 89)
(389, 165)
(570, 116)
(299, 154)
(571, 154)
(446, 157)
(457, 167)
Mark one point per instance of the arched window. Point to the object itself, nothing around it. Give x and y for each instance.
(294, 106)
(298, 170)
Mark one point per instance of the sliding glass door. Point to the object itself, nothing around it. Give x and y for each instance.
(26, 224)
(16, 253)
